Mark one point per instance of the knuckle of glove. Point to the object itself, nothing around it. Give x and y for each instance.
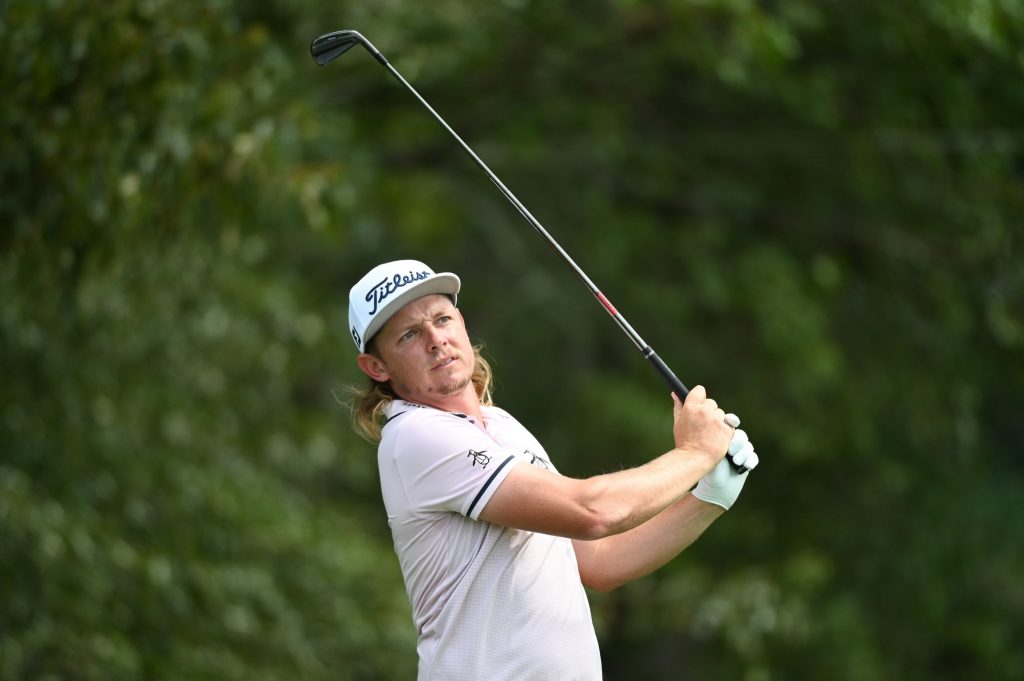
(752, 461)
(739, 438)
(743, 455)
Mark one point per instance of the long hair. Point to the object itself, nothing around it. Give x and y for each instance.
(370, 401)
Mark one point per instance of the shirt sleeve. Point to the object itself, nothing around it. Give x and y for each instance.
(446, 463)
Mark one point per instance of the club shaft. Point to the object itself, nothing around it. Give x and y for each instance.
(667, 374)
(671, 379)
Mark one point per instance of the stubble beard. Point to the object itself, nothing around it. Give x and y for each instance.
(453, 387)
(450, 388)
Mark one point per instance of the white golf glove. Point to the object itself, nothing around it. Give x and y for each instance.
(723, 484)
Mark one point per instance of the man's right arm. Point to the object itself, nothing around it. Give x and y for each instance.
(531, 498)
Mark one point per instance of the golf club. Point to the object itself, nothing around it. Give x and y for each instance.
(330, 46)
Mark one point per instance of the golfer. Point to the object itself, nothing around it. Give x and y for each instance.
(495, 545)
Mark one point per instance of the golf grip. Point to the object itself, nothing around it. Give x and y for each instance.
(679, 389)
(673, 381)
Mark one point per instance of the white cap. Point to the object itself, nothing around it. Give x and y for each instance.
(386, 289)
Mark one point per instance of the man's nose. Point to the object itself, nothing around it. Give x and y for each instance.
(435, 338)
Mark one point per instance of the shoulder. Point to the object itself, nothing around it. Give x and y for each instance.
(500, 421)
(516, 435)
(410, 422)
(492, 412)
(404, 415)
(496, 416)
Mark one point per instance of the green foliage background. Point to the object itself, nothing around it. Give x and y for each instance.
(813, 208)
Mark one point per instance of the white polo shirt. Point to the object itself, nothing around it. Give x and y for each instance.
(489, 602)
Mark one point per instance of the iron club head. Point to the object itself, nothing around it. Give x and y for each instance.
(330, 46)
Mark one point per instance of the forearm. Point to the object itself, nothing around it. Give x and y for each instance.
(538, 500)
(628, 499)
(610, 562)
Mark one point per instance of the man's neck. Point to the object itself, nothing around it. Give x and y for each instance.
(464, 402)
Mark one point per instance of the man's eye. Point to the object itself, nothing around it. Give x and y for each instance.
(408, 335)
(444, 319)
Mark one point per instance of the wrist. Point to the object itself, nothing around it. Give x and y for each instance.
(715, 495)
(708, 507)
(705, 460)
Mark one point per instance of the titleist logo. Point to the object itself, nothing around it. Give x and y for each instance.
(386, 286)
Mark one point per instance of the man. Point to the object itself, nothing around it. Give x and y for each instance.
(495, 545)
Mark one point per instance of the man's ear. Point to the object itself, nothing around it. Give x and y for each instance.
(373, 367)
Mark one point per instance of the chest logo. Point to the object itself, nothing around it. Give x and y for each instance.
(537, 460)
(479, 458)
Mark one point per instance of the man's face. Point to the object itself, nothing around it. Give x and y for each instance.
(424, 351)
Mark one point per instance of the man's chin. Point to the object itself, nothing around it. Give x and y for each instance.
(453, 387)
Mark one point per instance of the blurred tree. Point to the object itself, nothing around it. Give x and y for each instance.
(179, 497)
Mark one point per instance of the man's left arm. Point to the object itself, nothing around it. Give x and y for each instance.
(612, 561)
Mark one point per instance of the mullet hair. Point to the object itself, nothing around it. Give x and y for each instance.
(369, 402)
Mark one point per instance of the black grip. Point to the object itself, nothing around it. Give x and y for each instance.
(673, 381)
(680, 390)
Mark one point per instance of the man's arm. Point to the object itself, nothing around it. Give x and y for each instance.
(534, 499)
(608, 563)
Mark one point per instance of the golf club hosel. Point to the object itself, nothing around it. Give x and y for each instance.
(373, 50)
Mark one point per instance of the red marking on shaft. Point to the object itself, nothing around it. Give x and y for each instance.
(607, 304)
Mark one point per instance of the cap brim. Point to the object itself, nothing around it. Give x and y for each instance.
(443, 283)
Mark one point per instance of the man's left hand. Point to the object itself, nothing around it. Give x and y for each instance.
(722, 486)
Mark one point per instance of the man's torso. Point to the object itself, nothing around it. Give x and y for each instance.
(488, 601)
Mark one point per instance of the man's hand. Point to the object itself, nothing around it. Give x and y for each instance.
(723, 484)
(700, 426)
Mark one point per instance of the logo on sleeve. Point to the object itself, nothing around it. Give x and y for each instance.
(536, 460)
(479, 458)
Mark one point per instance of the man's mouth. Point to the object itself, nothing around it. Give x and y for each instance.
(443, 363)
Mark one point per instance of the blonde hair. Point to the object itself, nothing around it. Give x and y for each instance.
(369, 402)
